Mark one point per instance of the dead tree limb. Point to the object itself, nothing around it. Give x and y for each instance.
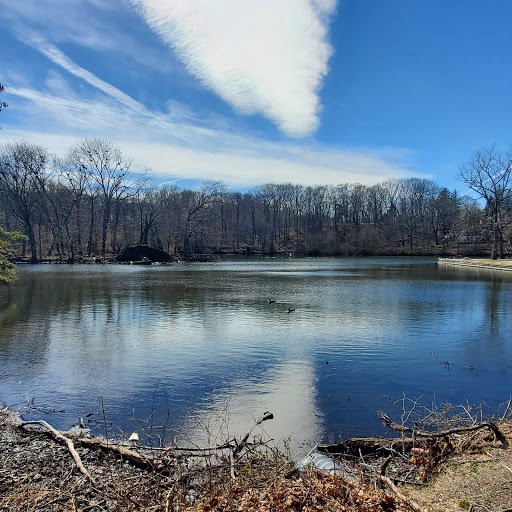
(244, 442)
(224, 446)
(503, 418)
(69, 443)
(133, 457)
(443, 433)
(410, 503)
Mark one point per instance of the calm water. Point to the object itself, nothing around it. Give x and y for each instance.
(200, 344)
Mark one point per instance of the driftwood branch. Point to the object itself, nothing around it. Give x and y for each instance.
(410, 503)
(244, 442)
(71, 447)
(127, 454)
(139, 460)
(224, 446)
(443, 433)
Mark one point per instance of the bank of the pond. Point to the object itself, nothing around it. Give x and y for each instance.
(461, 471)
(147, 255)
(501, 265)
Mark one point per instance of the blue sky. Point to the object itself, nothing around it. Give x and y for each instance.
(258, 91)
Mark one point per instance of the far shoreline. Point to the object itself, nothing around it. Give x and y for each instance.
(215, 257)
(504, 265)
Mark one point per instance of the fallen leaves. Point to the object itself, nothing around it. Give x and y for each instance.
(312, 492)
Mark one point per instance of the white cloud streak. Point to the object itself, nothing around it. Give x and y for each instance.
(99, 25)
(175, 146)
(257, 55)
(59, 58)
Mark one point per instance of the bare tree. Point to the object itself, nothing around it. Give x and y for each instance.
(108, 172)
(73, 180)
(149, 203)
(198, 210)
(488, 173)
(22, 167)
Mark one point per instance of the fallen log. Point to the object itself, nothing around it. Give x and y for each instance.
(368, 446)
(444, 433)
(69, 443)
(120, 450)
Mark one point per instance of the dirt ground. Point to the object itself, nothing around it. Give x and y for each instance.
(38, 473)
(479, 479)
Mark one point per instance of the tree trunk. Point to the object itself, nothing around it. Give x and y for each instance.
(143, 240)
(114, 231)
(78, 229)
(495, 241)
(104, 228)
(32, 242)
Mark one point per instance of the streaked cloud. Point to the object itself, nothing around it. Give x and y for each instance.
(104, 26)
(260, 56)
(239, 160)
(179, 143)
(57, 57)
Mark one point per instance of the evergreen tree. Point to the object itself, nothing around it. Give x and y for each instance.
(8, 269)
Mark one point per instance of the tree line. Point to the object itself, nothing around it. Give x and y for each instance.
(89, 204)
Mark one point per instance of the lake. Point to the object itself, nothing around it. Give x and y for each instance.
(200, 349)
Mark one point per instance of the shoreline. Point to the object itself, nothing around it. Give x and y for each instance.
(501, 265)
(211, 258)
(466, 471)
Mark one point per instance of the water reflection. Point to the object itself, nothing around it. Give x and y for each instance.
(287, 390)
(493, 303)
(183, 343)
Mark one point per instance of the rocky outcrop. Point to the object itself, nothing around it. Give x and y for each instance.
(144, 253)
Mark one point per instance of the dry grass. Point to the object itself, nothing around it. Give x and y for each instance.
(478, 477)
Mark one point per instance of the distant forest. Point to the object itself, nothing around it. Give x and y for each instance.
(89, 205)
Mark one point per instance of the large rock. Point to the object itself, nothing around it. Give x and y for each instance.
(143, 253)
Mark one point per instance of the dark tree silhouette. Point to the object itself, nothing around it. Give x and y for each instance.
(2, 103)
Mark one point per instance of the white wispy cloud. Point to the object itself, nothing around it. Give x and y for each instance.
(258, 55)
(238, 160)
(174, 144)
(58, 57)
(104, 26)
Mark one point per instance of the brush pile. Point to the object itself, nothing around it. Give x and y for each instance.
(40, 472)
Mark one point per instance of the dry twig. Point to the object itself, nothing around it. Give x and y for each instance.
(403, 498)
(67, 441)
